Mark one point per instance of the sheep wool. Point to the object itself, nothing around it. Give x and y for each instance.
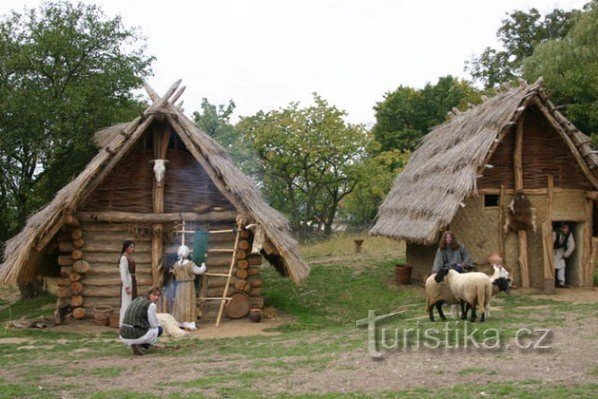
(474, 288)
(438, 294)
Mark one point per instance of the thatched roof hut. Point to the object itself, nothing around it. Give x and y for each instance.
(475, 153)
(202, 185)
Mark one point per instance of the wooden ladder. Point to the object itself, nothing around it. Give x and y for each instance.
(224, 299)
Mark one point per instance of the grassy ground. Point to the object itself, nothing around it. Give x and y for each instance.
(321, 354)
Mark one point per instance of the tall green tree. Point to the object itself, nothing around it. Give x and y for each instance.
(569, 67)
(406, 114)
(310, 159)
(215, 120)
(520, 33)
(66, 70)
(378, 171)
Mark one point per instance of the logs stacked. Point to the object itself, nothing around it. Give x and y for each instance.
(246, 275)
(72, 266)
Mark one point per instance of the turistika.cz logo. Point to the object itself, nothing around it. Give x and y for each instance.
(453, 335)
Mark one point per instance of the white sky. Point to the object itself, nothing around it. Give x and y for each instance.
(265, 54)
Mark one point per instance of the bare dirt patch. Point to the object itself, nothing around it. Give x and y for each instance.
(580, 295)
(568, 362)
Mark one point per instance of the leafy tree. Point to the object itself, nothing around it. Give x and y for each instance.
(378, 171)
(310, 158)
(569, 67)
(519, 35)
(215, 121)
(66, 70)
(407, 114)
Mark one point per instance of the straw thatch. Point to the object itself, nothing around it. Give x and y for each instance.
(116, 141)
(442, 172)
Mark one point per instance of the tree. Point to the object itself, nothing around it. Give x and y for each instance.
(66, 70)
(310, 158)
(569, 67)
(519, 34)
(215, 121)
(378, 171)
(406, 115)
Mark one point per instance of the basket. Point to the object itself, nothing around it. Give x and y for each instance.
(101, 315)
(403, 274)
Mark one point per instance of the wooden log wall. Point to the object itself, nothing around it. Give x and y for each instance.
(89, 256)
(246, 274)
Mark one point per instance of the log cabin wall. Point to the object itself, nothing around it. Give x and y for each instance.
(129, 188)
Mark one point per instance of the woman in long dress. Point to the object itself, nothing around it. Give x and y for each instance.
(184, 301)
(126, 266)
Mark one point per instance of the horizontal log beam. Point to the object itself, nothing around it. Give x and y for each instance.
(529, 191)
(108, 269)
(106, 257)
(136, 217)
(115, 281)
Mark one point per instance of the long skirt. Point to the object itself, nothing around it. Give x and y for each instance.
(185, 308)
(169, 295)
(125, 301)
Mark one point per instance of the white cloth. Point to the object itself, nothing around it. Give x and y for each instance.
(127, 282)
(170, 325)
(189, 325)
(560, 254)
(560, 275)
(183, 252)
(258, 238)
(151, 336)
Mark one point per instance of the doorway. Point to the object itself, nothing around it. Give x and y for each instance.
(573, 269)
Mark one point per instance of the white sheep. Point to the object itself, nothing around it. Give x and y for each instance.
(475, 289)
(438, 294)
(500, 282)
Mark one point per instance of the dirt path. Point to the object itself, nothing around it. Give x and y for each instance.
(572, 360)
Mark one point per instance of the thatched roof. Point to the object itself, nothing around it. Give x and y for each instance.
(442, 172)
(23, 250)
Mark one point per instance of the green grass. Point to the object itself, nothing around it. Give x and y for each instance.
(31, 308)
(341, 289)
(107, 372)
(336, 295)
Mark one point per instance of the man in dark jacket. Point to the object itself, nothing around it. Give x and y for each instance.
(139, 328)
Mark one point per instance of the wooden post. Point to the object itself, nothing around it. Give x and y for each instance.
(501, 222)
(522, 234)
(358, 245)
(587, 273)
(161, 138)
(547, 240)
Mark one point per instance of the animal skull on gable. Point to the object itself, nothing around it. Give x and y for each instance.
(520, 215)
(159, 169)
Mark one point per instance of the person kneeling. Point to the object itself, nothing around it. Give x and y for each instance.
(139, 328)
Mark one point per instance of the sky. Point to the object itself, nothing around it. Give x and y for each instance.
(265, 54)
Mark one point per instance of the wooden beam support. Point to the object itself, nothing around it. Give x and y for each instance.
(501, 222)
(587, 272)
(161, 138)
(163, 100)
(135, 217)
(522, 234)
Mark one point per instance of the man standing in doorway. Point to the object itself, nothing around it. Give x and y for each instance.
(563, 246)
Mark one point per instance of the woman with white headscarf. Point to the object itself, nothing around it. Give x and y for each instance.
(184, 301)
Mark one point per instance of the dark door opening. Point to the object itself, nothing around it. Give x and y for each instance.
(573, 267)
